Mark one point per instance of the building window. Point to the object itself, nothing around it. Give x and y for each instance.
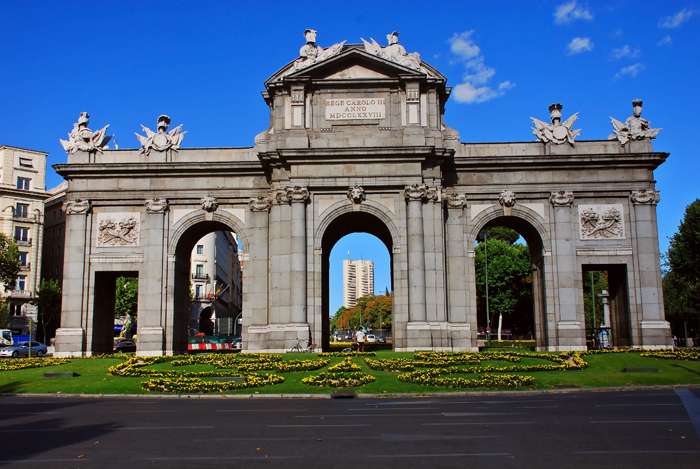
(197, 291)
(26, 162)
(21, 233)
(16, 309)
(23, 259)
(200, 249)
(23, 183)
(21, 283)
(22, 210)
(199, 270)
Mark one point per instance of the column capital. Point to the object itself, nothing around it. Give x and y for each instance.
(455, 200)
(77, 207)
(562, 198)
(416, 192)
(260, 203)
(645, 196)
(297, 194)
(156, 205)
(434, 194)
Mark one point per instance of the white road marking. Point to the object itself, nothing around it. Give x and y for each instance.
(441, 424)
(329, 425)
(438, 455)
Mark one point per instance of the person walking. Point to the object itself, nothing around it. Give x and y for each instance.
(360, 337)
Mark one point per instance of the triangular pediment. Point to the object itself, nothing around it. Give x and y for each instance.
(353, 63)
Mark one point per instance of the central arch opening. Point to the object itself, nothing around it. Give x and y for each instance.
(344, 225)
(208, 299)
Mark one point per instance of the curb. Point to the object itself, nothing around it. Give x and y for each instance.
(533, 392)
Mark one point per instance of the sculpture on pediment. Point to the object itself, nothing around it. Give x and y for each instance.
(601, 221)
(393, 52)
(311, 53)
(556, 132)
(161, 139)
(357, 194)
(81, 138)
(635, 126)
(118, 231)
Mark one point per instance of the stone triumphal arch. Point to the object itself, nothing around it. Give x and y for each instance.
(357, 142)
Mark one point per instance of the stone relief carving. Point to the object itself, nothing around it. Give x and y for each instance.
(357, 194)
(601, 221)
(161, 139)
(81, 138)
(77, 207)
(393, 52)
(260, 204)
(456, 200)
(556, 132)
(311, 53)
(415, 192)
(118, 229)
(645, 196)
(297, 194)
(507, 200)
(635, 126)
(156, 205)
(562, 198)
(209, 203)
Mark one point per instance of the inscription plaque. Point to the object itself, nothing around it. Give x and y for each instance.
(355, 109)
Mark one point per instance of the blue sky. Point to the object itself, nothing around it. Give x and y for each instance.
(204, 64)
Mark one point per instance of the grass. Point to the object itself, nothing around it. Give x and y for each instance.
(604, 370)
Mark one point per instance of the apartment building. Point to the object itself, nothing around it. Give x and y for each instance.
(22, 195)
(216, 280)
(358, 281)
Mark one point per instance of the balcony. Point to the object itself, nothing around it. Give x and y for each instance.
(21, 294)
(26, 267)
(22, 217)
(200, 276)
(23, 242)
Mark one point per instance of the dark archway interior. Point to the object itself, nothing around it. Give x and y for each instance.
(103, 314)
(354, 222)
(183, 254)
(536, 250)
(618, 301)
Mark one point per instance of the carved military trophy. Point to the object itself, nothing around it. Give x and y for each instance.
(556, 132)
(81, 138)
(161, 139)
(635, 126)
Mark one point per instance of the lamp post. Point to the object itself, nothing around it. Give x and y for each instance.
(488, 313)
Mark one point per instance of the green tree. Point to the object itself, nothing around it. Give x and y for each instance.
(370, 311)
(503, 233)
(9, 262)
(600, 283)
(682, 279)
(126, 299)
(49, 303)
(509, 276)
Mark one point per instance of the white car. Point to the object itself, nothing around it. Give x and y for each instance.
(371, 339)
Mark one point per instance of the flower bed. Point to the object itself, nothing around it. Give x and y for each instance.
(691, 354)
(23, 363)
(347, 354)
(441, 377)
(189, 385)
(344, 366)
(339, 380)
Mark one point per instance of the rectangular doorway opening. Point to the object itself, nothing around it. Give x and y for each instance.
(606, 305)
(115, 311)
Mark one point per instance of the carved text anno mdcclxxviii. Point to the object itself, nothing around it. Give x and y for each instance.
(355, 109)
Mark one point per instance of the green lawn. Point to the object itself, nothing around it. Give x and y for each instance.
(604, 370)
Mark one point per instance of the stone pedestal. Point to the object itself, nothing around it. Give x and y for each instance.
(70, 342)
(438, 336)
(150, 342)
(656, 335)
(276, 338)
(572, 336)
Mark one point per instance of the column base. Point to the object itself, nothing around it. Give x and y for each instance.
(438, 336)
(70, 342)
(150, 341)
(572, 337)
(656, 335)
(275, 338)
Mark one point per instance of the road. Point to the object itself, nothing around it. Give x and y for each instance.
(636, 429)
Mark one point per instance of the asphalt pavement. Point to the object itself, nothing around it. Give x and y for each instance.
(635, 429)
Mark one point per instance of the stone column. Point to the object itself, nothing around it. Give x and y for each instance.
(457, 293)
(571, 328)
(70, 337)
(152, 301)
(255, 286)
(655, 330)
(298, 197)
(415, 194)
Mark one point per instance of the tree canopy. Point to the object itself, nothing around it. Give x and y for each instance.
(371, 311)
(9, 262)
(126, 299)
(503, 233)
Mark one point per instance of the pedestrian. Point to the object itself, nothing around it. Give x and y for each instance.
(360, 337)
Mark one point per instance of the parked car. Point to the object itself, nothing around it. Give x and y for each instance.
(21, 349)
(371, 339)
(125, 346)
(237, 343)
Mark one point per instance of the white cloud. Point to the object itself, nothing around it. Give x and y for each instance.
(674, 21)
(630, 71)
(665, 41)
(579, 45)
(625, 51)
(570, 11)
(475, 87)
